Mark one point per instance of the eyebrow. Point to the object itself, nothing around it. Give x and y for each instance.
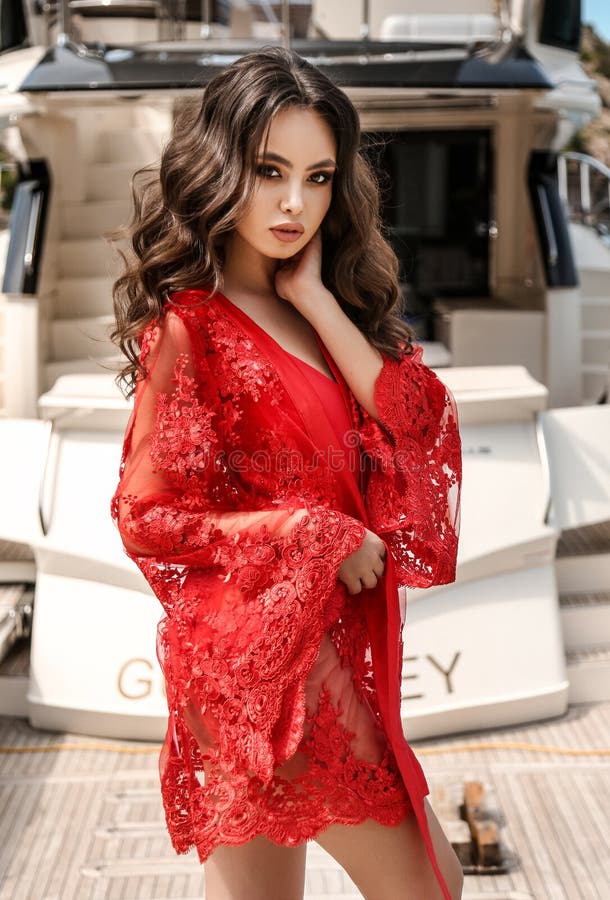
(324, 163)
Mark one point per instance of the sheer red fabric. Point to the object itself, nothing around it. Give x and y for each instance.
(246, 478)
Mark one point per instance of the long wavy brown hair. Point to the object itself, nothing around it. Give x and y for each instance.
(206, 176)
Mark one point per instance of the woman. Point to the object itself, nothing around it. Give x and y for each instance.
(288, 463)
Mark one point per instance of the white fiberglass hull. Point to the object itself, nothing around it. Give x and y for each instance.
(485, 650)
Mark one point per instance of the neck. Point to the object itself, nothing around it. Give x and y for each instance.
(246, 271)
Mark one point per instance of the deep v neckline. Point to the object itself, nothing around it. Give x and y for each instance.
(240, 312)
(313, 368)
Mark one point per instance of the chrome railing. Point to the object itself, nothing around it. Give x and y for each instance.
(584, 187)
(170, 15)
(512, 16)
(59, 13)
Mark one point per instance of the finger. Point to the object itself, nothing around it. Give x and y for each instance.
(370, 580)
(352, 585)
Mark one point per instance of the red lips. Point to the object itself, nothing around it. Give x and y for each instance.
(289, 226)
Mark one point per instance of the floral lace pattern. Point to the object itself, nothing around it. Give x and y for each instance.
(244, 559)
(413, 490)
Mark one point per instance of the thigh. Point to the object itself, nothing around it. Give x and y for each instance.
(257, 870)
(391, 863)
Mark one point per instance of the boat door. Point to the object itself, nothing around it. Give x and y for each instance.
(438, 207)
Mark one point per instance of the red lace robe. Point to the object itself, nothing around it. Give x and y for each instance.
(238, 501)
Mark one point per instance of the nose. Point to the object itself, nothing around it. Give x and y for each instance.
(292, 202)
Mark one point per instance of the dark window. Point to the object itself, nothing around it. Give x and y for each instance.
(436, 207)
(560, 26)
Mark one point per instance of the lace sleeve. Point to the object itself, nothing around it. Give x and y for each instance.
(175, 484)
(413, 486)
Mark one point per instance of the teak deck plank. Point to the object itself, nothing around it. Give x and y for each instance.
(88, 824)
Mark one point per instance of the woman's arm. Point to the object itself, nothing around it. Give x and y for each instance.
(408, 423)
(359, 362)
(170, 505)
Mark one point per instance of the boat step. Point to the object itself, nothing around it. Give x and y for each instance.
(90, 219)
(579, 574)
(139, 146)
(76, 338)
(103, 365)
(585, 618)
(87, 296)
(17, 563)
(595, 315)
(9, 550)
(585, 540)
(596, 350)
(594, 285)
(15, 679)
(87, 257)
(597, 332)
(109, 181)
(588, 671)
(16, 603)
(595, 385)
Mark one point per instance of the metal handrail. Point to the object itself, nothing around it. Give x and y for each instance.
(511, 32)
(545, 212)
(65, 37)
(108, 4)
(27, 226)
(29, 250)
(587, 165)
(44, 522)
(64, 8)
(512, 19)
(545, 468)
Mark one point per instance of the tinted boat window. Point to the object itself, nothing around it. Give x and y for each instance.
(560, 24)
(437, 206)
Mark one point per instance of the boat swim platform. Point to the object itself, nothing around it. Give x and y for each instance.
(82, 817)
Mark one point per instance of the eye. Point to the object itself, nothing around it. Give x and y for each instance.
(265, 170)
(325, 176)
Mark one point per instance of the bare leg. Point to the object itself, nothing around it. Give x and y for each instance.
(391, 863)
(258, 870)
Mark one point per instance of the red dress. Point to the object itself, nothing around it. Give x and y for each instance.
(247, 476)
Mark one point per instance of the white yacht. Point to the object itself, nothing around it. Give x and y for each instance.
(506, 271)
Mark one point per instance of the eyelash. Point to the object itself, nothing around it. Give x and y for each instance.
(260, 170)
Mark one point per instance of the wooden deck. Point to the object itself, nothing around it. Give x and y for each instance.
(87, 824)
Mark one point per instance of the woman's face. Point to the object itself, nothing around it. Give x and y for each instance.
(293, 183)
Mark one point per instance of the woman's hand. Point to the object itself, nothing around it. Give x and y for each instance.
(300, 276)
(364, 566)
